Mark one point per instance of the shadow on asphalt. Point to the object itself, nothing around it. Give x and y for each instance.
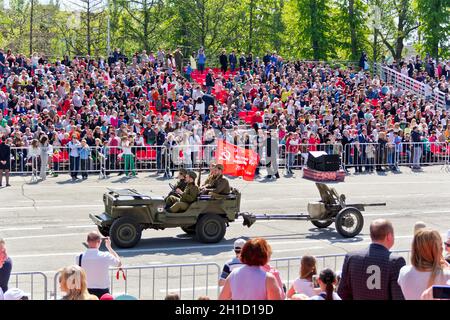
(329, 234)
(183, 244)
(179, 245)
(69, 181)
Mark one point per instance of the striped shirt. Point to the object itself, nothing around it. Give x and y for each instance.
(229, 266)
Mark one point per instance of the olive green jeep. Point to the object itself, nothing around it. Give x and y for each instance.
(128, 212)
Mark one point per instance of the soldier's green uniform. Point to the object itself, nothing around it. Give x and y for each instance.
(190, 194)
(181, 184)
(209, 181)
(220, 186)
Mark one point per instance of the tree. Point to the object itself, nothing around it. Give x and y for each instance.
(14, 25)
(213, 24)
(398, 20)
(308, 29)
(91, 11)
(145, 21)
(434, 26)
(351, 23)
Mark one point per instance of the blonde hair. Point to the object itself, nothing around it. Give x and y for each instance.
(74, 283)
(426, 253)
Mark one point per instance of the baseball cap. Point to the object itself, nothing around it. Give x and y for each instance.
(15, 294)
(239, 244)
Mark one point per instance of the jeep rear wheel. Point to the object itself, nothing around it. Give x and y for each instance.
(189, 230)
(104, 231)
(210, 229)
(125, 232)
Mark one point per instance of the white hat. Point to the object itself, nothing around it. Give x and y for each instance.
(14, 294)
(239, 244)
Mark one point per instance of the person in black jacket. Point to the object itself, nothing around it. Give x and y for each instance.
(209, 82)
(242, 62)
(223, 61)
(233, 60)
(416, 139)
(5, 162)
(372, 274)
(160, 139)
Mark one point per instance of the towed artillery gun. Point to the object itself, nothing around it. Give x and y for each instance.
(127, 213)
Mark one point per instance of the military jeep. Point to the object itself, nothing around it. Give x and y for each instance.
(128, 212)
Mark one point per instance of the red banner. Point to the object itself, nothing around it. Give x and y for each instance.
(237, 161)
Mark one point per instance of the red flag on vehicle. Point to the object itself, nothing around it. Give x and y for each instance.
(237, 161)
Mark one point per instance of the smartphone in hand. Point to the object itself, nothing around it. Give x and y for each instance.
(441, 292)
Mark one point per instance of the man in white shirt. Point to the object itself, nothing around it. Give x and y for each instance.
(96, 264)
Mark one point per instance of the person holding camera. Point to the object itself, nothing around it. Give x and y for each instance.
(96, 264)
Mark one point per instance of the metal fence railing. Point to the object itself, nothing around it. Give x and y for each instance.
(103, 161)
(393, 155)
(289, 267)
(404, 82)
(154, 282)
(33, 283)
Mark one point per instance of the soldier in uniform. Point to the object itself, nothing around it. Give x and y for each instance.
(220, 186)
(211, 177)
(189, 195)
(180, 185)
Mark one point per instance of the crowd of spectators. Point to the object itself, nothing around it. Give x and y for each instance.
(374, 273)
(103, 110)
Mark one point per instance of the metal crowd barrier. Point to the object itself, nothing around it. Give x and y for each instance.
(154, 282)
(289, 267)
(30, 282)
(188, 280)
(106, 160)
(142, 159)
(373, 156)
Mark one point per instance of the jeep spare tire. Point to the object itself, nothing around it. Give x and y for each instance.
(125, 232)
(210, 228)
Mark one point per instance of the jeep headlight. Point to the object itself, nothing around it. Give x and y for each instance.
(160, 209)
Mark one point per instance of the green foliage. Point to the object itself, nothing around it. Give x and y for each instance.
(305, 29)
(434, 17)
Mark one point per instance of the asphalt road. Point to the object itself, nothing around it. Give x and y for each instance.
(45, 224)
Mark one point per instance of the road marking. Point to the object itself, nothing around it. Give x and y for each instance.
(46, 236)
(53, 207)
(21, 229)
(299, 249)
(24, 201)
(206, 247)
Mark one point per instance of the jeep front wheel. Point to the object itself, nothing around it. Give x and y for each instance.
(104, 231)
(125, 232)
(210, 229)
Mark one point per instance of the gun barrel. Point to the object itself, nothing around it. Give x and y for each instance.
(373, 204)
